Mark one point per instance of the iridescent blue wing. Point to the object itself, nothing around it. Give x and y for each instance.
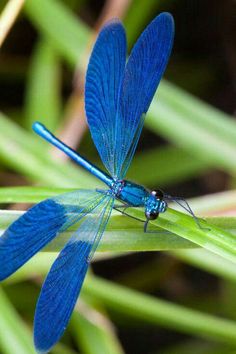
(42, 223)
(64, 281)
(143, 72)
(104, 75)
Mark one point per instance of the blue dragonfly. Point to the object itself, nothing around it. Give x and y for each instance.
(117, 97)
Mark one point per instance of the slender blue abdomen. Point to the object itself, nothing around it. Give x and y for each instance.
(42, 131)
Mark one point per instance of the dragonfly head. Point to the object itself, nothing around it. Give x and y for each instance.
(155, 204)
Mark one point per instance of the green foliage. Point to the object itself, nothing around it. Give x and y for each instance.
(101, 338)
(159, 312)
(14, 336)
(42, 95)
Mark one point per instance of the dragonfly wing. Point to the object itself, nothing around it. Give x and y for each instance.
(143, 72)
(40, 224)
(64, 281)
(103, 80)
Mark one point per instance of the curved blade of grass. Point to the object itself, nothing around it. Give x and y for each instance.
(216, 202)
(165, 166)
(14, 337)
(137, 15)
(210, 237)
(25, 153)
(39, 264)
(101, 339)
(208, 262)
(42, 100)
(192, 136)
(160, 312)
(34, 194)
(212, 119)
(125, 234)
(60, 26)
(30, 194)
(8, 17)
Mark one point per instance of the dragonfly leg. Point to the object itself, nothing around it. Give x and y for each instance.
(123, 206)
(145, 227)
(146, 231)
(185, 205)
(124, 213)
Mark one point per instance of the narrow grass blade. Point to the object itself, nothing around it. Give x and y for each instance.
(25, 153)
(68, 35)
(14, 336)
(216, 203)
(160, 312)
(125, 234)
(208, 262)
(39, 264)
(165, 165)
(27, 194)
(137, 15)
(43, 88)
(101, 339)
(211, 237)
(8, 16)
(192, 135)
(212, 119)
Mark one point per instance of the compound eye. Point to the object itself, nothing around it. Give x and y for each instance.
(151, 215)
(158, 193)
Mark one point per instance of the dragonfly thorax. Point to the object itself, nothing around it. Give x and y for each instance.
(135, 195)
(117, 186)
(129, 192)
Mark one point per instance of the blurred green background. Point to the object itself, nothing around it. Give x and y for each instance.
(180, 300)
